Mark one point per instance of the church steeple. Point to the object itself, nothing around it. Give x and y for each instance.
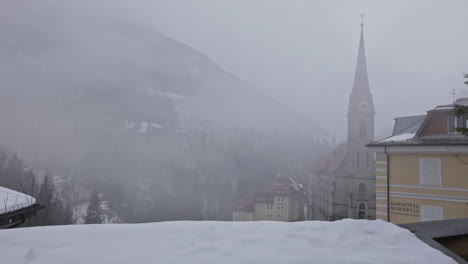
(361, 81)
(361, 105)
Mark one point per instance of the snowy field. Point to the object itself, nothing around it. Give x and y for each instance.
(346, 241)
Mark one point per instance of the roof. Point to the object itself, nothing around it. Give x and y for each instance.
(429, 231)
(405, 137)
(283, 186)
(462, 101)
(12, 200)
(407, 124)
(331, 162)
(245, 204)
(407, 130)
(361, 91)
(274, 189)
(18, 217)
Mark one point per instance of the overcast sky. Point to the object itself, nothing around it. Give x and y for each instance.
(304, 52)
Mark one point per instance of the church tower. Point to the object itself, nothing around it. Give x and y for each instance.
(361, 111)
(348, 189)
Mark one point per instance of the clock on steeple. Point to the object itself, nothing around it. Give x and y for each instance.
(361, 106)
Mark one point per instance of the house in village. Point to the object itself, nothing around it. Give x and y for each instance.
(422, 169)
(282, 200)
(16, 208)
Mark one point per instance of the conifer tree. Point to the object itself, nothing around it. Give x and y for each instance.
(94, 212)
(462, 111)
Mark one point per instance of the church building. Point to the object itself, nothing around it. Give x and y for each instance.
(343, 184)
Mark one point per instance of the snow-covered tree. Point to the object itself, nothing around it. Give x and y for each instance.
(94, 212)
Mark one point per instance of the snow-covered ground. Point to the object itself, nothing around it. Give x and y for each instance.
(346, 241)
(12, 200)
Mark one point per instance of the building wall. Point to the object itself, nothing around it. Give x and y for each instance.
(320, 197)
(337, 196)
(279, 210)
(242, 216)
(346, 180)
(437, 124)
(409, 199)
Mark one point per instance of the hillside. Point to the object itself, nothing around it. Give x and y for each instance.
(113, 105)
(114, 65)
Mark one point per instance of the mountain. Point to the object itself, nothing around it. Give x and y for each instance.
(158, 128)
(114, 65)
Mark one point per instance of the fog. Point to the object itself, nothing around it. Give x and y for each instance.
(173, 109)
(304, 52)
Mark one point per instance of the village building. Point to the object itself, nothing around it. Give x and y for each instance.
(280, 201)
(244, 209)
(16, 208)
(343, 183)
(421, 170)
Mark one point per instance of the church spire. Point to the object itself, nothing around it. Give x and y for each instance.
(361, 82)
(361, 91)
(361, 106)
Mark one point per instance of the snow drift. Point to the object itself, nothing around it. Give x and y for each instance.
(346, 241)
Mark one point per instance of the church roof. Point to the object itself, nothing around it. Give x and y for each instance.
(333, 161)
(361, 91)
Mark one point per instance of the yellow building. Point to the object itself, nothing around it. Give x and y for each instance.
(279, 201)
(422, 170)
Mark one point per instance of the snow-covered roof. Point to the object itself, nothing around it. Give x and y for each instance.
(345, 241)
(399, 138)
(142, 127)
(12, 200)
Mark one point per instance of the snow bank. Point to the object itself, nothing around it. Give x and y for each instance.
(346, 241)
(11, 200)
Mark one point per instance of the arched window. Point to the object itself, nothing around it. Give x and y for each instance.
(362, 211)
(362, 191)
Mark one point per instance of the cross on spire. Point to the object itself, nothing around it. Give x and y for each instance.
(362, 19)
(454, 94)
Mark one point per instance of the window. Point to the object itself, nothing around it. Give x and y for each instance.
(431, 213)
(454, 122)
(362, 211)
(430, 171)
(362, 191)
